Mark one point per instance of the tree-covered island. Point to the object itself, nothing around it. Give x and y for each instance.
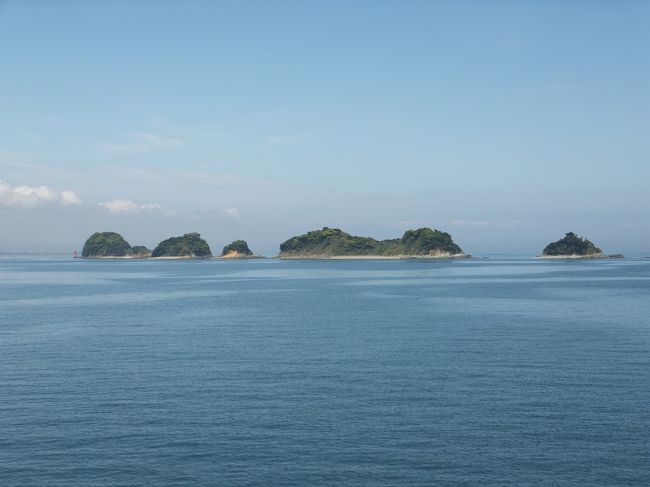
(112, 245)
(335, 243)
(238, 250)
(188, 245)
(572, 246)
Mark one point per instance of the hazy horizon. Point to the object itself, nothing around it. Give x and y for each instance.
(505, 124)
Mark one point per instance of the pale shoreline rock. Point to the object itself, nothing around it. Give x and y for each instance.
(239, 256)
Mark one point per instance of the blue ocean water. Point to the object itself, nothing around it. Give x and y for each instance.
(367, 373)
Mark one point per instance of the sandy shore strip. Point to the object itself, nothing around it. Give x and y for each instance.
(575, 257)
(114, 257)
(375, 257)
(128, 257)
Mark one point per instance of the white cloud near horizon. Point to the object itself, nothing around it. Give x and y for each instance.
(139, 143)
(32, 196)
(121, 206)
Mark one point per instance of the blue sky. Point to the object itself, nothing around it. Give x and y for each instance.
(505, 123)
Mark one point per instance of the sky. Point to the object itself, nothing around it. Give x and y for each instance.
(504, 123)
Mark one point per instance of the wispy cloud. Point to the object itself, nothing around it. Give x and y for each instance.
(290, 139)
(273, 113)
(485, 223)
(157, 120)
(8, 156)
(31, 196)
(412, 223)
(231, 213)
(69, 198)
(120, 206)
(140, 142)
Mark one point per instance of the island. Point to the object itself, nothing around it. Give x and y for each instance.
(190, 245)
(111, 245)
(238, 250)
(333, 243)
(574, 247)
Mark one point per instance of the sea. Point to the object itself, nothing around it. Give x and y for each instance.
(479, 372)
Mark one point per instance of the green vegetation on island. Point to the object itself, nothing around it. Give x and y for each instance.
(189, 245)
(140, 251)
(237, 249)
(332, 242)
(111, 244)
(572, 245)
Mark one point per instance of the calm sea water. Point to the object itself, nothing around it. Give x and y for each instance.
(477, 373)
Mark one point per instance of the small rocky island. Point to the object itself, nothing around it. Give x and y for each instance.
(574, 247)
(101, 245)
(190, 245)
(238, 250)
(332, 243)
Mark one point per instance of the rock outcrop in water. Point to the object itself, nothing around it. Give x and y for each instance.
(238, 250)
(189, 245)
(112, 244)
(333, 243)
